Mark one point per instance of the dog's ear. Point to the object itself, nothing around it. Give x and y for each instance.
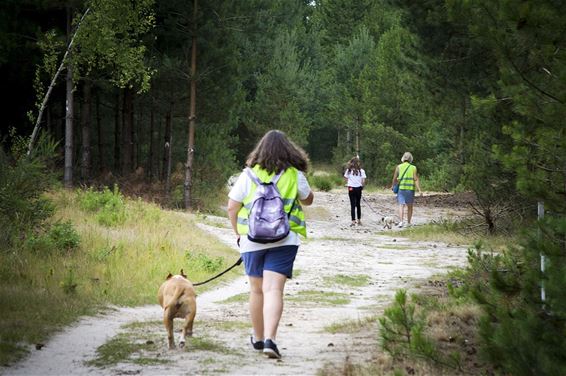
(183, 274)
(169, 276)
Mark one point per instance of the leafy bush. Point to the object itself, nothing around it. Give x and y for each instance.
(323, 182)
(109, 206)
(60, 237)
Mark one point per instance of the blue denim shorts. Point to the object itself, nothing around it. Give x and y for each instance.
(279, 260)
(406, 196)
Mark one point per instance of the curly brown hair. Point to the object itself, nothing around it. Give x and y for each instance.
(275, 152)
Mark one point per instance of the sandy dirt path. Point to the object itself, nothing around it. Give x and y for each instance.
(315, 299)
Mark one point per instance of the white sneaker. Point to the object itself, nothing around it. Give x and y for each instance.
(400, 224)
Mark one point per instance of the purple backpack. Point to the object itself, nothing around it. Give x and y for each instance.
(267, 221)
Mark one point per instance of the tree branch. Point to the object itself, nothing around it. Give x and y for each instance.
(52, 85)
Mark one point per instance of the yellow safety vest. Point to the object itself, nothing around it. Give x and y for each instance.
(407, 183)
(288, 186)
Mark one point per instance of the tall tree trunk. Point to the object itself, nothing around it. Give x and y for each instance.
(166, 147)
(68, 175)
(461, 144)
(151, 154)
(49, 121)
(192, 116)
(101, 160)
(86, 127)
(117, 133)
(136, 123)
(127, 142)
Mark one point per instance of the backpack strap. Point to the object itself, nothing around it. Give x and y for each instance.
(275, 179)
(251, 174)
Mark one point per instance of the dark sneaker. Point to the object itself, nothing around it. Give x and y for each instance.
(258, 345)
(270, 349)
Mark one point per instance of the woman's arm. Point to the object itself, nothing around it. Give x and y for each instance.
(418, 182)
(395, 175)
(308, 201)
(233, 209)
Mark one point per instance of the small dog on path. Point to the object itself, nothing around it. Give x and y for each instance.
(387, 222)
(178, 299)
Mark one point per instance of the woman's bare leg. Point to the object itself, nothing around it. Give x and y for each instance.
(256, 306)
(273, 285)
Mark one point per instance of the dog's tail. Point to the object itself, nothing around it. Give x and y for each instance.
(175, 299)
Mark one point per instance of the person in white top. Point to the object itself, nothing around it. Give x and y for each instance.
(269, 265)
(355, 179)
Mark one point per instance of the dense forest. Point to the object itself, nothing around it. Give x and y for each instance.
(474, 89)
(167, 98)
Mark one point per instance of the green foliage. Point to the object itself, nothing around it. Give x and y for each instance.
(108, 205)
(23, 180)
(399, 325)
(110, 39)
(60, 237)
(69, 283)
(402, 333)
(201, 261)
(521, 333)
(322, 182)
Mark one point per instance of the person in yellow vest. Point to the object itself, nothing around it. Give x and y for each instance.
(268, 265)
(406, 176)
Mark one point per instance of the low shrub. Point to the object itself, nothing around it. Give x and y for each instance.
(59, 237)
(109, 205)
(322, 182)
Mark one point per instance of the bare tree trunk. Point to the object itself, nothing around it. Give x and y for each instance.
(117, 133)
(101, 161)
(169, 149)
(151, 154)
(461, 134)
(86, 127)
(135, 136)
(166, 146)
(187, 191)
(68, 174)
(358, 126)
(127, 142)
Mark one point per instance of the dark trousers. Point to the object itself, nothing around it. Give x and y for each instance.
(355, 194)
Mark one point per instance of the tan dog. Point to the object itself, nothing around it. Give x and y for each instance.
(387, 222)
(178, 299)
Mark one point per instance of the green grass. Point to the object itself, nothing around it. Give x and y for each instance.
(126, 348)
(207, 344)
(347, 280)
(320, 297)
(455, 234)
(229, 326)
(123, 264)
(239, 298)
(351, 326)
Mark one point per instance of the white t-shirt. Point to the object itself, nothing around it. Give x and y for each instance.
(240, 191)
(355, 180)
